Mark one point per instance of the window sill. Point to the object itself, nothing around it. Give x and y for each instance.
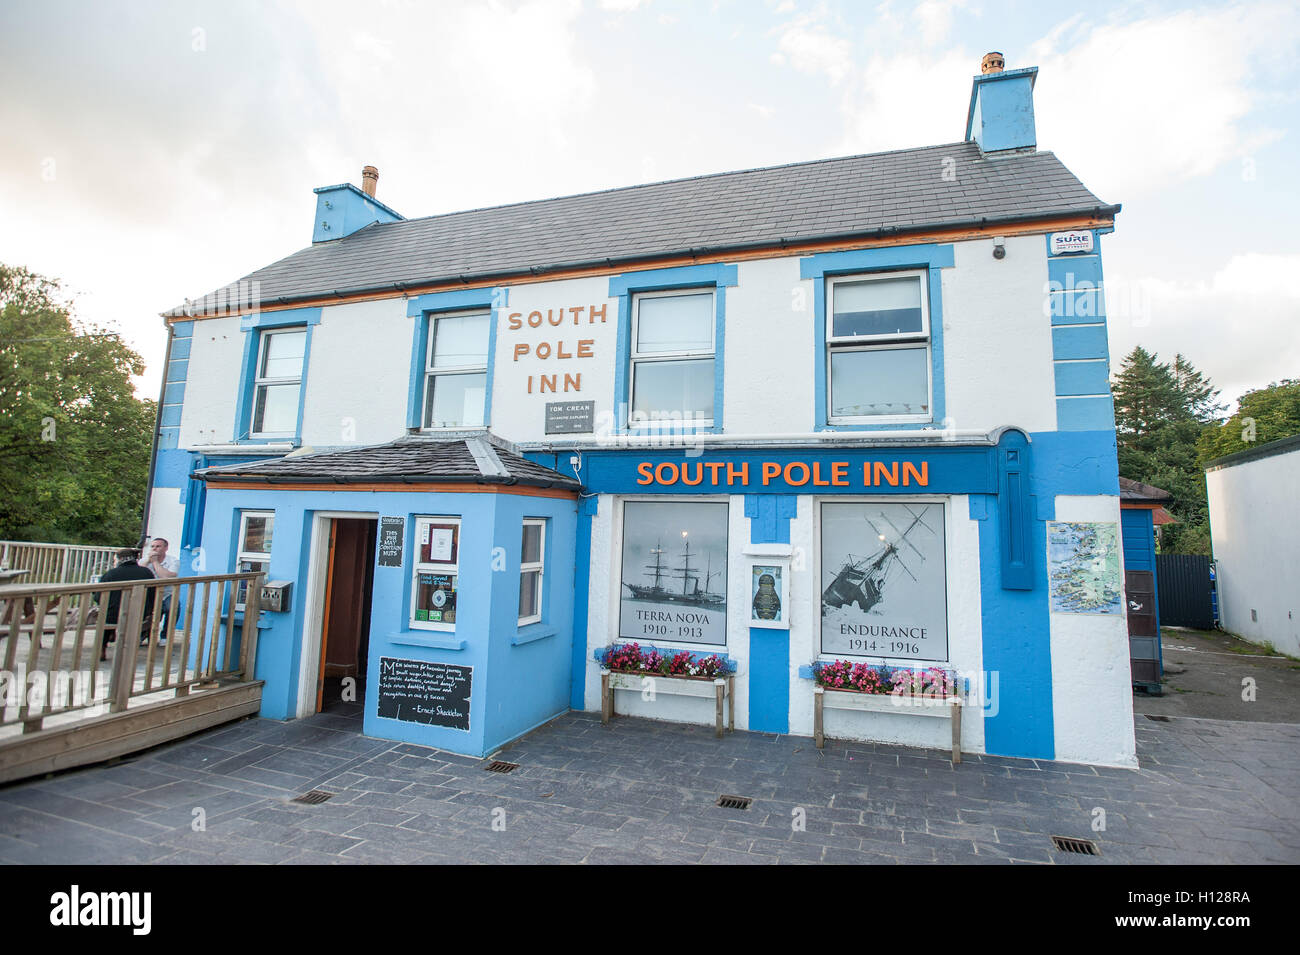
(431, 640)
(532, 632)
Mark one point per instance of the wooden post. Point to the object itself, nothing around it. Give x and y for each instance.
(731, 703)
(606, 698)
(956, 730)
(122, 681)
(818, 735)
(719, 690)
(248, 636)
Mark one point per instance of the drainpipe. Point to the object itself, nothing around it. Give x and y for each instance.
(153, 450)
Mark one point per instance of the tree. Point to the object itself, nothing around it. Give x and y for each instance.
(1263, 415)
(1161, 410)
(74, 439)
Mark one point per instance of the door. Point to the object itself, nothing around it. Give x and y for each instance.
(1143, 634)
(345, 625)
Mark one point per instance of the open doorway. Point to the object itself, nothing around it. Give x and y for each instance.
(345, 616)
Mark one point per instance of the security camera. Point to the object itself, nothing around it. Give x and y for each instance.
(999, 247)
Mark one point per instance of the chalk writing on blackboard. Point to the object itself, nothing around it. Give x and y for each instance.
(416, 691)
(391, 533)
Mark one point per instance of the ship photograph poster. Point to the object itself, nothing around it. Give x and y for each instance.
(884, 581)
(673, 586)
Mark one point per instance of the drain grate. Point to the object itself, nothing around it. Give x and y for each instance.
(735, 802)
(313, 798)
(501, 766)
(1157, 719)
(1083, 847)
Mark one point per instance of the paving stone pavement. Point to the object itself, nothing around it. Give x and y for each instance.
(642, 792)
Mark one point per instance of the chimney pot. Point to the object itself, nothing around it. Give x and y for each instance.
(369, 180)
(992, 63)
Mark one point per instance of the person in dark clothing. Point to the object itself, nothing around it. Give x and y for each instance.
(127, 569)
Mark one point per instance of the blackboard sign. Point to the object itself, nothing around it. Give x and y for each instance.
(417, 692)
(570, 417)
(391, 535)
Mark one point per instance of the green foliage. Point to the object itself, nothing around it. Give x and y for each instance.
(1161, 411)
(74, 439)
(1263, 415)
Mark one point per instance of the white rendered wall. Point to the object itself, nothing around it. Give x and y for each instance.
(997, 342)
(965, 644)
(360, 370)
(518, 415)
(1254, 523)
(1092, 682)
(769, 342)
(212, 382)
(166, 517)
(965, 631)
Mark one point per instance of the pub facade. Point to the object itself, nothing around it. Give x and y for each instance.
(854, 409)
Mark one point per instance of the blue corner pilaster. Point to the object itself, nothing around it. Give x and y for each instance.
(582, 561)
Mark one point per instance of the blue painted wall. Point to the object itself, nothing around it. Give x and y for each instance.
(343, 209)
(518, 682)
(1001, 114)
(769, 649)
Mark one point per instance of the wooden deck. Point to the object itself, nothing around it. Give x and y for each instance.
(61, 706)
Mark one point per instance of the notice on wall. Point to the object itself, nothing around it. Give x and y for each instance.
(392, 531)
(414, 691)
(570, 417)
(1063, 243)
(439, 541)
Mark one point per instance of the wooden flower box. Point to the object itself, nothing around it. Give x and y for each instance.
(948, 707)
(719, 689)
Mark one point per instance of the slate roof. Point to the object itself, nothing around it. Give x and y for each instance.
(855, 196)
(420, 459)
(1135, 491)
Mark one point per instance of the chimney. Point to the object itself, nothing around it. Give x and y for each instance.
(1001, 114)
(344, 209)
(369, 180)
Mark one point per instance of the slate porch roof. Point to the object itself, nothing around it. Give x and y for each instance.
(1136, 492)
(413, 459)
(882, 194)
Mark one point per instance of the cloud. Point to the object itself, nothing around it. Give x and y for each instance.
(620, 6)
(810, 43)
(934, 19)
(1238, 326)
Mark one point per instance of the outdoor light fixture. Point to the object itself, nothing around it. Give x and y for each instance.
(999, 247)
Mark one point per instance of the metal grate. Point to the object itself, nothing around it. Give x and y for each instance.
(500, 766)
(1157, 719)
(313, 798)
(735, 802)
(1083, 847)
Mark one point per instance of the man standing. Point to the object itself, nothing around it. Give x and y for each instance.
(162, 567)
(128, 568)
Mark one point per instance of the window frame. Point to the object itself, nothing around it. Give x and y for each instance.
(259, 381)
(429, 373)
(893, 341)
(538, 566)
(450, 568)
(634, 358)
(242, 553)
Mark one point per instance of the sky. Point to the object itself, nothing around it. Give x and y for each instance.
(153, 151)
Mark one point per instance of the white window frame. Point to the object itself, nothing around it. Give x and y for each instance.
(650, 357)
(451, 568)
(430, 372)
(893, 341)
(538, 565)
(259, 382)
(241, 554)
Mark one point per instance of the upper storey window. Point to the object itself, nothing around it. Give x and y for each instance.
(672, 357)
(878, 348)
(455, 390)
(278, 384)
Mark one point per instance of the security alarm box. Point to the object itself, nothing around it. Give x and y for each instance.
(275, 595)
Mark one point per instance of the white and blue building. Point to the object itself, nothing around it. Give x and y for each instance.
(483, 447)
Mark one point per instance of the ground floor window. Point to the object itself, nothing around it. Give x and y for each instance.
(532, 557)
(673, 580)
(433, 591)
(254, 554)
(884, 580)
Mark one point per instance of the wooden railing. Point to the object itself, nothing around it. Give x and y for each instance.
(53, 634)
(56, 563)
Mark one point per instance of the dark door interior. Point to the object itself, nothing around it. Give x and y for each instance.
(1143, 636)
(345, 630)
